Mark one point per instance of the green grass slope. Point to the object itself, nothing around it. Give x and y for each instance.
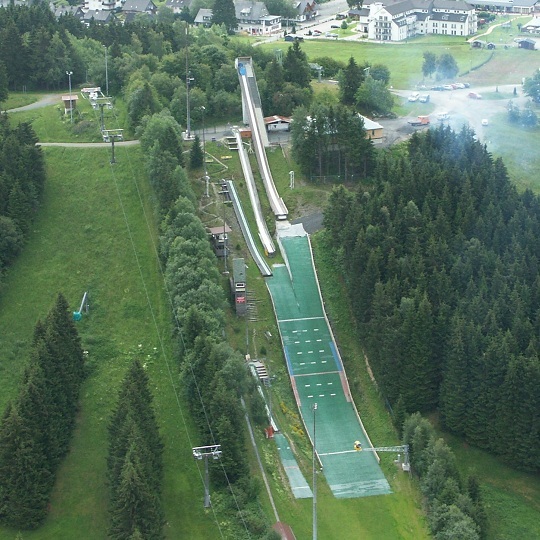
(92, 234)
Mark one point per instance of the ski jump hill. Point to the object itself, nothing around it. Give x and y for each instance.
(313, 361)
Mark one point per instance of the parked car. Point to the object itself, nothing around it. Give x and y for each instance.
(317, 32)
(437, 88)
(458, 85)
(334, 26)
(448, 87)
(485, 122)
(474, 95)
(414, 97)
(442, 116)
(331, 35)
(424, 98)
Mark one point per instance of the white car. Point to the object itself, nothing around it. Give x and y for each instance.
(485, 122)
(414, 97)
(458, 85)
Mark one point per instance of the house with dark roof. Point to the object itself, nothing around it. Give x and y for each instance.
(252, 17)
(76, 11)
(306, 10)
(100, 17)
(397, 21)
(178, 5)
(139, 6)
(203, 18)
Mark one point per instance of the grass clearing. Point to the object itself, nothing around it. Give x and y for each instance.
(80, 242)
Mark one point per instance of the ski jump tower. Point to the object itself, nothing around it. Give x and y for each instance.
(245, 68)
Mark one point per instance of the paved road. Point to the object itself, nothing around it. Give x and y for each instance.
(47, 99)
(88, 144)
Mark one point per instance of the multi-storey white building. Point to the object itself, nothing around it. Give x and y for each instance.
(385, 21)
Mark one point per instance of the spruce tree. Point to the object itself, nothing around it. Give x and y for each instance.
(350, 80)
(196, 154)
(223, 12)
(25, 480)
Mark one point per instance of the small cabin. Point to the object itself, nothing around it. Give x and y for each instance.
(277, 123)
(70, 103)
(219, 239)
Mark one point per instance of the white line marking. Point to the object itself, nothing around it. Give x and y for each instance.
(321, 350)
(307, 385)
(308, 340)
(321, 395)
(299, 352)
(319, 384)
(302, 319)
(319, 340)
(332, 394)
(294, 331)
(313, 363)
(310, 396)
(323, 361)
(316, 329)
(310, 352)
(297, 342)
(330, 383)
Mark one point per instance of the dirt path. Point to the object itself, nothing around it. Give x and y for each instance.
(88, 144)
(46, 100)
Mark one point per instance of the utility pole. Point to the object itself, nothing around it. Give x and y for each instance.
(69, 74)
(106, 73)
(189, 79)
(204, 452)
(206, 177)
(101, 105)
(314, 472)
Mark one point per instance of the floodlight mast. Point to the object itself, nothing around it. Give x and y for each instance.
(69, 74)
(204, 452)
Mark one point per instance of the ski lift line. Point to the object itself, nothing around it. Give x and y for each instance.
(264, 234)
(158, 332)
(177, 324)
(276, 202)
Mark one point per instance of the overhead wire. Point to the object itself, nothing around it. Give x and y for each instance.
(178, 328)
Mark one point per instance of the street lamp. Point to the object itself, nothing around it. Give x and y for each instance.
(206, 178)
(69, 74)
(189, 78)
(314, 473)
(106, 73)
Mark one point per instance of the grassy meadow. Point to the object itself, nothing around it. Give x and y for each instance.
(95, 232)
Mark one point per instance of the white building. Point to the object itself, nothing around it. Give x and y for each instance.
(252, 17)
(385, 21)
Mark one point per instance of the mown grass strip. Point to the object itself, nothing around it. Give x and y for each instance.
(80, 242)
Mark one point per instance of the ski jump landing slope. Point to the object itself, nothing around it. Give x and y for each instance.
(317, 373)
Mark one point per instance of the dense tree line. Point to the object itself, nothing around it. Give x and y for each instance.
(147, 63)
(365, 88)
(135, 462)
(331, 142)
(214, 376)
(455, 509)
(37, 425)
(22, 177)
(441, 258)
